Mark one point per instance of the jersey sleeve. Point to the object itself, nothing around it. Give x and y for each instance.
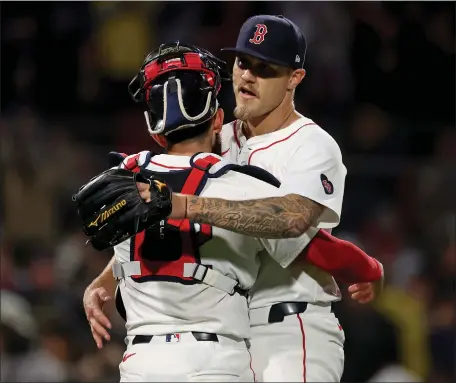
(283, 251)
(316, 171)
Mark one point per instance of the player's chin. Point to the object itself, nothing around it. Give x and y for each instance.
(242, 112)
(252, 109)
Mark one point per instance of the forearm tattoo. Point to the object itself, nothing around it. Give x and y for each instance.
(275, 217)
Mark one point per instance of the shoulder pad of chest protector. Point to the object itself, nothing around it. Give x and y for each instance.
(131, 162)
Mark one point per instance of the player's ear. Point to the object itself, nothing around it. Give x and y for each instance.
(217, 122)
(296, 77)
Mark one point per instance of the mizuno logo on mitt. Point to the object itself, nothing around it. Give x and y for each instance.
(159, 185)
(107, 213)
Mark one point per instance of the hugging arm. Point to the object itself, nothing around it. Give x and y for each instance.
(274, 217)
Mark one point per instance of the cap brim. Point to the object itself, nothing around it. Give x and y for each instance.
(251, 52)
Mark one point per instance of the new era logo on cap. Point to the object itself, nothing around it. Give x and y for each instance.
(274, 39)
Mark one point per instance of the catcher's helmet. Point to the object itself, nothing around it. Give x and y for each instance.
(178, 84)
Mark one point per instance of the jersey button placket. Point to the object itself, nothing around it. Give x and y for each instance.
(244, 155)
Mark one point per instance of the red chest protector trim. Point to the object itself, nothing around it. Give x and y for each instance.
(153, 258)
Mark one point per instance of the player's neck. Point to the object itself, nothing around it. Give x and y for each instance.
(281, 117)
(189, 148)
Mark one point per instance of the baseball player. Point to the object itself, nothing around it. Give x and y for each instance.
(182, 286)
(295, 335)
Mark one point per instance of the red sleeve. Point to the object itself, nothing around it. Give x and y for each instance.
(343, 260)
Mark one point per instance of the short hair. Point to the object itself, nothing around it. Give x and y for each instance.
(195, 132)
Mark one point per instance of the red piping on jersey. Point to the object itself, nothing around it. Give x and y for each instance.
(124, 359)
(226, 151)
(251, 368)
(235, 134)
(169, 167)
(304, 372)
(276, 142)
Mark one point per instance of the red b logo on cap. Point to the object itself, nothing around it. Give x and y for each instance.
(258, 37)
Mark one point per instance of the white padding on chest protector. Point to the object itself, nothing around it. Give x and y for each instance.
(210, 277)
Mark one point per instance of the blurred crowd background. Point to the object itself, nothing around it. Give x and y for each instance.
(380, 79)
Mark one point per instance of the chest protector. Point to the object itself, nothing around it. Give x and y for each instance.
(169, 250)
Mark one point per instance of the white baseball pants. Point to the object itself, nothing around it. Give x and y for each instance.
(181, 358)
(306, 347)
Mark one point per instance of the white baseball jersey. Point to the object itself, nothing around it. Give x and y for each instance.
(307, 161)
(158, 305)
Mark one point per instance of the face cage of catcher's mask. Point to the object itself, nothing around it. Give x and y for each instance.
(174, 111)
(175, 115)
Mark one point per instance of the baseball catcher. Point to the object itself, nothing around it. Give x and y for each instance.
(110, 205)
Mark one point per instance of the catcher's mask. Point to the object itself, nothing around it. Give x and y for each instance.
(178, 84)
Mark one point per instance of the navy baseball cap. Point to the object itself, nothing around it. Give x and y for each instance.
(274, 39)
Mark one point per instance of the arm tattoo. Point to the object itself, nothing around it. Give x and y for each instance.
(275, 217)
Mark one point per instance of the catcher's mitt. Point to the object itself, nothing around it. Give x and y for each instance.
(112, 209)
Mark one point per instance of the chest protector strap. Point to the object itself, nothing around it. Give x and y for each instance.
(198, 271)
(204, 274)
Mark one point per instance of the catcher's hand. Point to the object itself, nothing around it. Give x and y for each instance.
(112, 209)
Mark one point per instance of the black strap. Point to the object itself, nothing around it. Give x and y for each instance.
(258, 173)
(120, 305)
(249, 170)
(280, 310)
(139, 339)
